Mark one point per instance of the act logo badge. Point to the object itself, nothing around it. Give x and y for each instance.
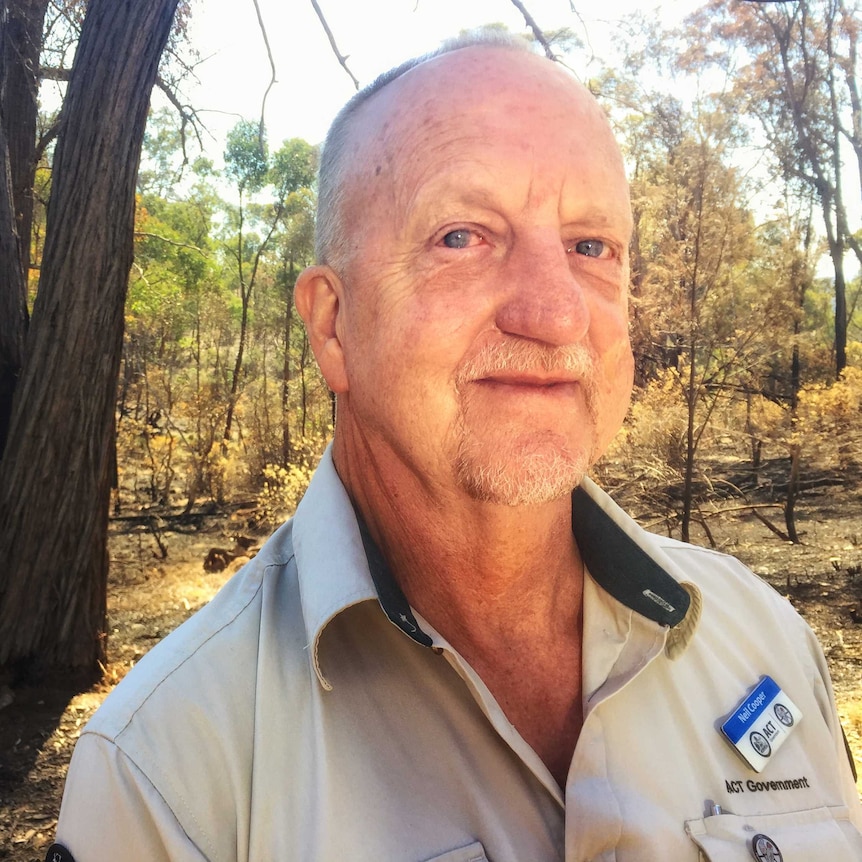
(765, 849)
(760, 723)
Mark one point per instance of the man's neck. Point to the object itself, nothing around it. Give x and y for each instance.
(474, 570)
(503, 585)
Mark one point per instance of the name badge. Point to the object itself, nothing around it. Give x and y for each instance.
(761, 722)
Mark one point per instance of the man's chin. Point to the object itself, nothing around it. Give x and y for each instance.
(531, 480)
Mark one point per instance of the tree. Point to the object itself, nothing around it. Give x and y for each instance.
(694, 282)
(20, 43)
(55, 472)
(248, 164)
(703, 318)
(798, 76)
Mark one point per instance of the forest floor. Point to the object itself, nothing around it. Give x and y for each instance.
(158, 580)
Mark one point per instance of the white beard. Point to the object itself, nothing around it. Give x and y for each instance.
(534, 468)
(541, 475)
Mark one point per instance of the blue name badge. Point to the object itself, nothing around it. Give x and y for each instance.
(761, 722)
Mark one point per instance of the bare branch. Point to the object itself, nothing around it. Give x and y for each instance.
(538, 35)
(272, 79)
(53, 73)
(45, 139)
(341, 59)
(169, 242)
(187, 115)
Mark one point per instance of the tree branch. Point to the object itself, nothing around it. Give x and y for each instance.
(272, 79)
(538, 35)
(187, 115)
(170, 241)
(341, 59)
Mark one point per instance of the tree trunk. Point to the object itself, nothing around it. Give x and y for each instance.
(13, 296)
(792, 495)
(55, 475)
(20, 44)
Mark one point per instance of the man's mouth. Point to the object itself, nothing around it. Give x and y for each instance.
(531, 383)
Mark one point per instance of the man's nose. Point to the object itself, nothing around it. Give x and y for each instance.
(543, 299)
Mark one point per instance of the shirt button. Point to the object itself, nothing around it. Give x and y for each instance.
(765, 849)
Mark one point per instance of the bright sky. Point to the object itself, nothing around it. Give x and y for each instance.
(374, 34)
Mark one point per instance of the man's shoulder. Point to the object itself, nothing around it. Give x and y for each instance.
(211, 656)
(710, 566)
(722, 577)
(738, 605)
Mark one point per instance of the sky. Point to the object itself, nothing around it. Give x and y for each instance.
(375, 35)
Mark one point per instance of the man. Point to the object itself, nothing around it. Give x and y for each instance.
(447, 654)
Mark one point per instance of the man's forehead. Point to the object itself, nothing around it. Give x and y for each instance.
(447, 82)
(441, 97)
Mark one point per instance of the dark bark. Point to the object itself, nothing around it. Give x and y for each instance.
(20, 42)
(13, 297)
(792, 495)
(55, 476)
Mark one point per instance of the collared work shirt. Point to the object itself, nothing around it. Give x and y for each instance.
(292, 719)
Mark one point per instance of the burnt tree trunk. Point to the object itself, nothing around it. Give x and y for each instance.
(55, 474)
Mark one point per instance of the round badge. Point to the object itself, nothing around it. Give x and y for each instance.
(760, 743)
(783, 714)
(765, 849)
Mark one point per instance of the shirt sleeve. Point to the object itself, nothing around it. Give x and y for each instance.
(825, 694)
(112, 811)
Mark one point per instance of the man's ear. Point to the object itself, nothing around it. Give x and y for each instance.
(318, 295)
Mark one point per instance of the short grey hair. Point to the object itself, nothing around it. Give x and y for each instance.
(330, 242)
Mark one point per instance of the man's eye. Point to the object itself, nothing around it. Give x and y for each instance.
(589, 248)
(460, 238)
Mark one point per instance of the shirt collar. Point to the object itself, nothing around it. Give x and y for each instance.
(331, 561)
(339, 565)
(618, 554)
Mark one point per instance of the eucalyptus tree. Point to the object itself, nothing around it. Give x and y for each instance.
(795, 68)
(252, 169)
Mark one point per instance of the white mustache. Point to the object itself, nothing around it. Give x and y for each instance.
(527, 357)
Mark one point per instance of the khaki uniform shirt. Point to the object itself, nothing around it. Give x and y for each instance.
(294, 719)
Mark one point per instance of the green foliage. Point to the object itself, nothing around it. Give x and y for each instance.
(733, 332)
(293, 167)
(184, 317)
(246, 157)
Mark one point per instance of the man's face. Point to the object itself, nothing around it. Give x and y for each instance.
(484, 317)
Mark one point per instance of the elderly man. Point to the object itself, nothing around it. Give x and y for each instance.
(447, 654)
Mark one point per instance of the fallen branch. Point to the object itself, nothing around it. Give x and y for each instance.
(767, 523)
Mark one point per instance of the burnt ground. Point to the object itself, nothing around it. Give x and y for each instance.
(158, 580)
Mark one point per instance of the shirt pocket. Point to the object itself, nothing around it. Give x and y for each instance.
(472, 853)
(818, 833)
